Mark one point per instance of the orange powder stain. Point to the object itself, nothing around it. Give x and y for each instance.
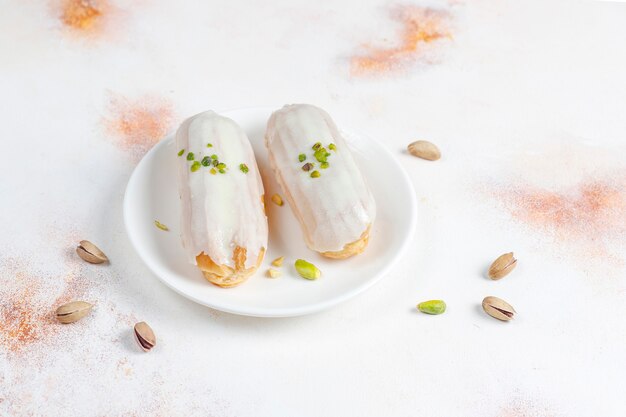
(139, 124)
(591, 213)
(83, 16)
(421, 29)
(26, 312)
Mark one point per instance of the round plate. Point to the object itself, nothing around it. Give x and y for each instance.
(152, 194)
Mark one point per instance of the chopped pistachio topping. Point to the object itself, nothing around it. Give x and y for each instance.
(195, 166)
(209, 145)
(206, 161)
(276, 199)
(307, 167)
(301, 157)
(307, 270)
(161, 226)
(321, 154)
(222, 171)
(324, 165)
(317, 146)
(190, 156)
(215, 162)
(213, 156)
(181, 152)
(315, 174)
(221, 166)
(278, 261)
(332, 147)
(213, 171)
(243, 168)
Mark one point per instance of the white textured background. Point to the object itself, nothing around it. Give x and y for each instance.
(526, 101)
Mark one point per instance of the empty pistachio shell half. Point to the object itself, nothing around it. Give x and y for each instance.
(498, 308)
(144, 336)
(90, 252)
(307, 270)
(74, 311)
(425, 150)
(502, 266)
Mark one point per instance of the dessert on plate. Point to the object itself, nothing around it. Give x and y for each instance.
(223, 222)
(320, 179)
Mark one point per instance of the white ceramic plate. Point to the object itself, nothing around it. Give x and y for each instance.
(152, 194)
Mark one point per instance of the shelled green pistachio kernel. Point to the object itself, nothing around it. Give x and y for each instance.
(243, 168)
(215, 162)
(213, 171)
(195, 166)
(181, 152)
(332, 147)
(209, 145)
(432, 307)
(324, 165)
(221, 166)
(301, 157)
(161, 226)
(308, 166)
(213, 156)
(206, 161)
(315, 174)
(190, 156)
(307, 270)
(316, 146)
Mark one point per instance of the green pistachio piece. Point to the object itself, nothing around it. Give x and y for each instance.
(332, 147)
(301, 157)
(307, 270)
(181, 152)
(243, 168)
(190, 156)
(315, 174)
(209, 145)
(432, 307)
(321, 154)
(206, 161)
(324, 165)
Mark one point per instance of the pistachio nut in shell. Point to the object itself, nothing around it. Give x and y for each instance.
(90, 252)
(498, 308)
(502, 266)
(425, 150)
(144, 336)
(72, 312)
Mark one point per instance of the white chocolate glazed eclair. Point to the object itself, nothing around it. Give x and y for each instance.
(224, 227)
(322, 183)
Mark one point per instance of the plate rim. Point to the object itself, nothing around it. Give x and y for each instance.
(281, 312)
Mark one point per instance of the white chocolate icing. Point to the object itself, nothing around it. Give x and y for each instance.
(221, 211)
(334, 209)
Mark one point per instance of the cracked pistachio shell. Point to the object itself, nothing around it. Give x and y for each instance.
(498, 308)
(72, 312)
(502, 266)
(90, 252)
(425, 150)
(144, 336)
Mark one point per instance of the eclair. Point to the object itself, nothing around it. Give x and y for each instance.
(320, 180)
(223, 223)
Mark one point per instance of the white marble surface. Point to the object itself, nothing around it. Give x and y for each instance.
(526, 101)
